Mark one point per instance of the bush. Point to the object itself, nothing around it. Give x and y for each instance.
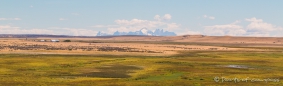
(67, 40)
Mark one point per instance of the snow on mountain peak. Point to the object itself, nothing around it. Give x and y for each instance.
(143, 31)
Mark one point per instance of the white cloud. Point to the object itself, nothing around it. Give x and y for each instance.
(62, 19)
(189, 32)
(159, 22)
(6, 29)
(209, 17)
(228, 29)
(157, 17)
(172, 26)
(137, 24)
(259, 25)
(31, 6)
(122, 29)
(165, 17)
(256, 27)
(80, 32)
(254, 20)
(10, 19)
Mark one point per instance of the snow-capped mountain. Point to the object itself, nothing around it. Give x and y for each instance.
(101, 34)
(142, 32)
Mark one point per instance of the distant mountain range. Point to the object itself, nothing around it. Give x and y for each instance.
(142, 32)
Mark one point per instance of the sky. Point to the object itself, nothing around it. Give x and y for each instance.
(184, 17)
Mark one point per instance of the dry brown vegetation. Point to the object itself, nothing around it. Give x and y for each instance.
(138, 45)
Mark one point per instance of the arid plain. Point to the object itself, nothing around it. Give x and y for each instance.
(189, 60)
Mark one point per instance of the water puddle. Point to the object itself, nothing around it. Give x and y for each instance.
(236, 66)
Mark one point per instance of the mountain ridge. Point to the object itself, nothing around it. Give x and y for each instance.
(141, 32)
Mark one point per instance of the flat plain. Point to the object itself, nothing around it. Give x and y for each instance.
(191, 60)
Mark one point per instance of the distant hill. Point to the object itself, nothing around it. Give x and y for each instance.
(142, 32)
(36, 36)
(60, 36)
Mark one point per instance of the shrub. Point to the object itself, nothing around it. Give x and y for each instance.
(67, 40)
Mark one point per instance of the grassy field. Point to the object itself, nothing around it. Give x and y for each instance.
(194, 68)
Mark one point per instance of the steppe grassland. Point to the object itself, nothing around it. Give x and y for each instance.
(187, 67)
(190, 68)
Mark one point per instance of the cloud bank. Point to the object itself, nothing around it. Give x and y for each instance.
(256, 27)
(159, 22)
(6, 29)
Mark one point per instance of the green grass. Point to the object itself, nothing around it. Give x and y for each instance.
(188, 68)
(170, 76)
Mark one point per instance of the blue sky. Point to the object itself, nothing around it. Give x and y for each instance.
(87, 17)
